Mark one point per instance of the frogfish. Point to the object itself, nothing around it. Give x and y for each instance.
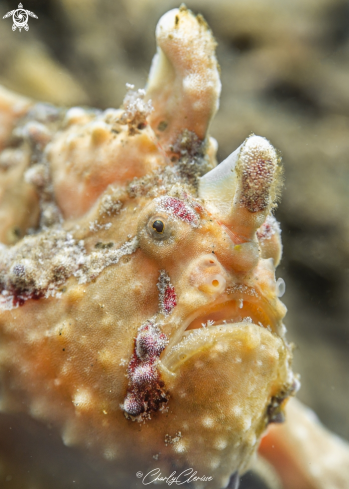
(141, 327)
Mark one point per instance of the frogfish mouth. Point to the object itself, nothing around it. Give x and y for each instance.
(139, 310)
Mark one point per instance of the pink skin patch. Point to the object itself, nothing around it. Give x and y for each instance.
(265, 231)
(167, 294)
(268, 228)
(146, 390)
(179, 209)
(170, 299)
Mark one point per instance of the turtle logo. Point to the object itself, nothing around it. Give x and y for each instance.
(20, 18)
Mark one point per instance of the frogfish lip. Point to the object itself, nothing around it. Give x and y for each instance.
(220, 319)
(231, 311)
(216, 340)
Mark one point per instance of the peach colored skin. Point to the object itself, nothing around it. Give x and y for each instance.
(12, 107)
(67, 346)
(19, 201)
(305, 454)
(85, 159)
(64, 360)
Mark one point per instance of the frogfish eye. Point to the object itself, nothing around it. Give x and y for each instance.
(158, 226)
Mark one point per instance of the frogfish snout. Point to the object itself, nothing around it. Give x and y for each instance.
(208, 275)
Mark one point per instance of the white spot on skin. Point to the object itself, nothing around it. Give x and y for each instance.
(180, 447)
(215, 462)
(208, 422)
(236, 410)
(110, 454)
(220, 443)
(221, 347)
(82, 399)
(247, 423)
(199, 364)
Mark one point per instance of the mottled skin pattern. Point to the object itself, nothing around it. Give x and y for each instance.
(139, 308)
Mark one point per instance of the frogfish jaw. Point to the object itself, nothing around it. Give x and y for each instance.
(224, 379)
(222, 376)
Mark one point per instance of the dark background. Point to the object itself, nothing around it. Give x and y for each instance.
(285, 75)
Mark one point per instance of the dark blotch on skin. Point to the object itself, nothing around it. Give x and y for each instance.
(162, 126)
(104, 246)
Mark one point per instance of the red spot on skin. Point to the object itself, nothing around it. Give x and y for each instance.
(167, 297)
(170, 299)
(20, 298)
(180, 209)
(265, 231)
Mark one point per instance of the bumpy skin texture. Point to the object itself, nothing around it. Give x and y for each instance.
(139, 307)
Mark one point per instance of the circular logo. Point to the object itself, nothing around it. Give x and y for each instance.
(20, 17)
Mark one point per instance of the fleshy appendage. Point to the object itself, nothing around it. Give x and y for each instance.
(184, 83)
(304, 453)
